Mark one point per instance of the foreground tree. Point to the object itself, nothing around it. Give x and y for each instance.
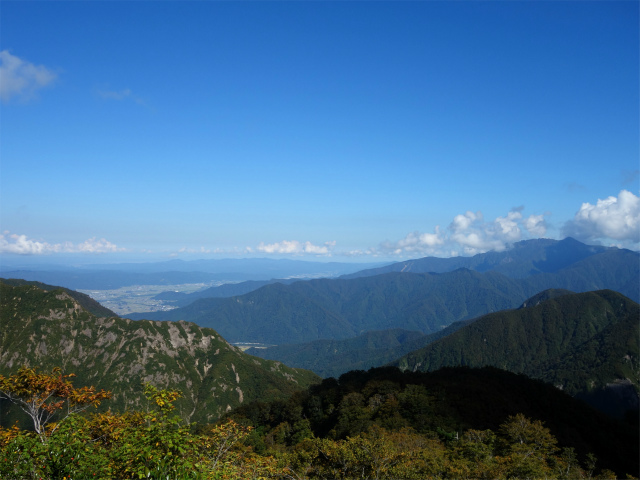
(48, 396)
(152, 444)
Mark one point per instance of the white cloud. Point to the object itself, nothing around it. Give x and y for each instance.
(508, 227)
(474, 235)
(359, 253)
(294, 247)
(119, 95)
(195, 250)
(94, 245)
(21, 79)
(469, 234)
(614, 218)
(536, 225)
(21, 245)
(416, 242)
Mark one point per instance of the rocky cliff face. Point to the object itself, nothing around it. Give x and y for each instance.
(48, 329)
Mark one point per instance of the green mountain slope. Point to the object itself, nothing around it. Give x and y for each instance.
(332, 358)
(614, 269)
(339, 309)
(425, 302)
(441, 403)
(581, 342)
(545, 295)
(50, 328)
(603, 371)
(85, 301)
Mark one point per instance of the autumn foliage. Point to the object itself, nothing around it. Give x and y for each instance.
(155, 443)
(48, 396)
(151, 443)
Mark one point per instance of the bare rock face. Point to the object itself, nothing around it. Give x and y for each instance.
(48, 329)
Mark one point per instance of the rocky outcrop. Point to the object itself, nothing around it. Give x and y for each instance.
(48, 329)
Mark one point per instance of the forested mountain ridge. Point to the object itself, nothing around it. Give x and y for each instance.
(522, 259)
(374, 348)
(340, 308)
(332, 358)
(582, 343)
(545, 295)
(85, 301)
(608, 364)
(424, 302)
(51, 329)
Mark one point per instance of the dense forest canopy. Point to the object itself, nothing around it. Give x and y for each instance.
(368, 437)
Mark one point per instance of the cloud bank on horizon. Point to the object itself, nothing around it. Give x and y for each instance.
(611, 221)
(469, 234)
(21, 245)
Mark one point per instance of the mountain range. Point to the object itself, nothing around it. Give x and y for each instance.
(333, 309)
(523, 259)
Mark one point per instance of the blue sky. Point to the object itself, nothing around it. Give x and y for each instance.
(353, 131)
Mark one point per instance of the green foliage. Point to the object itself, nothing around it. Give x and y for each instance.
(155, 443)
(382, 454)
(441, 406)
(69, 453)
